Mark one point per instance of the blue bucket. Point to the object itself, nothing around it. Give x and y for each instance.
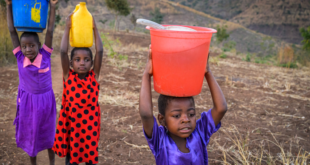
(30, 15)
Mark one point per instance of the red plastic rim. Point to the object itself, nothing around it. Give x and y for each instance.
(203, 29)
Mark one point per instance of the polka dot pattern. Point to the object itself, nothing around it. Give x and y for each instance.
(78, 126)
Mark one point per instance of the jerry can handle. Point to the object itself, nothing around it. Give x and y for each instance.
(36, 4)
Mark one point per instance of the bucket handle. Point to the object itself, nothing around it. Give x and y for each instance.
(35, 5)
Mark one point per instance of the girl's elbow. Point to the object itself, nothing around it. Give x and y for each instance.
(63, 52)
(50, 30)
(12, 30)
(100, 52)
(224, 109)
(145, 115)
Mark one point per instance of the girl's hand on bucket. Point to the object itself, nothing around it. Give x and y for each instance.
(8, 2)
(149, 67)
(68, 21)
(94, 23)
(208, 68)
(53, 2)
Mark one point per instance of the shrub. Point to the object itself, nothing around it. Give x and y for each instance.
(157, 16)
(305, 33)
(223, 55)
(221, 34)
(248, 57)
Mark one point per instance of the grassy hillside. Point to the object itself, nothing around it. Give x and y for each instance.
(278, 18)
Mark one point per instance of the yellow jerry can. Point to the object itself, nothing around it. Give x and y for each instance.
(81, 34)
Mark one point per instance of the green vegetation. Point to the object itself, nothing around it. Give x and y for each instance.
(228, 46)
(288, 65)
(157, 16)
(2, 4)
(108, 46)
(269, 59)
(305, 33)
(223, 55)
(247, 57)
(6, 46)
(119, 7)
(221, 34)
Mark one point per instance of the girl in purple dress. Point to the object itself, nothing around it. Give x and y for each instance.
(180, 140)
(36, 106)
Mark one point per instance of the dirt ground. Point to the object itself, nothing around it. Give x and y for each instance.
(265, 103)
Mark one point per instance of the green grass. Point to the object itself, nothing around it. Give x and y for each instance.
(223, 55)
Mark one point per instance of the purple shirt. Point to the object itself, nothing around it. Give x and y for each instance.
(166, 151)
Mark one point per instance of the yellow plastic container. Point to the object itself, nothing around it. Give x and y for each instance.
(81, 34)
(76, 9)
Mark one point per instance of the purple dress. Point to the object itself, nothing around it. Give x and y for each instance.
(166, 151)
(36, 106)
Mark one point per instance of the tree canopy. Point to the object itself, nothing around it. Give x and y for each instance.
(121, 7)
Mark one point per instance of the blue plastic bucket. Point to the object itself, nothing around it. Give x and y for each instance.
(30, 15)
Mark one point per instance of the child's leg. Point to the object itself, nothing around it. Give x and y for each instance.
(51, 156)
(68, 159)
(33, 160)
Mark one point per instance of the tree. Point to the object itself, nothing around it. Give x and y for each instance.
(133, 20)
(119, 7)
(305, 33)
(221, 34)
(157, 16)
(2, 4)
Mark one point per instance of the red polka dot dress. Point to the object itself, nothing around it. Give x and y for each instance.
(78, 126)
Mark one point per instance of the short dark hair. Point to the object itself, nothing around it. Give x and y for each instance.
(31, 34)
(86, 49)
(164, 100)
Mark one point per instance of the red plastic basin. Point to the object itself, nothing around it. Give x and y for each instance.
(179, 60)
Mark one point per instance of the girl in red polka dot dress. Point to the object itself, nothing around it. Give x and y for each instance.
(78, 129)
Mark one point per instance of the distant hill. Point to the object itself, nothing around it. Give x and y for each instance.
(246, 40)
(278, 18)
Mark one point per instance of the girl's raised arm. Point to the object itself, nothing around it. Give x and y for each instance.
(51, 24)
(64, 49)
(145, 99)
(99, 51)
(219, 101)
(14, 35)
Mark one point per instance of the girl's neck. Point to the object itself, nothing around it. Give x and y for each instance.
(82, 75)
(180, 142)
(31, 60)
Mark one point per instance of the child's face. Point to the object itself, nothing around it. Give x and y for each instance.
(81, 62)
(30, 47)
(180, 117)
